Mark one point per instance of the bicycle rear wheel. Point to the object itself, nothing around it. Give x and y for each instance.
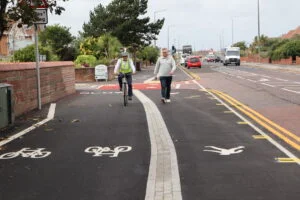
(125, 95)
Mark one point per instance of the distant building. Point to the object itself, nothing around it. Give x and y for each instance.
(291, 33)
(16, 38)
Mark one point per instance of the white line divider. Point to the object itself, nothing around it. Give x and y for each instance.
(50, 116)
(163, 177)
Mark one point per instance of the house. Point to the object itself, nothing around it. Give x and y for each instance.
(291, 33)
(17, 38)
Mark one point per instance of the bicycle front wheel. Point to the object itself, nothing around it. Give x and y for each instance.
(125, 96)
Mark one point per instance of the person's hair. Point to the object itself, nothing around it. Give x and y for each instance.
(164, 49)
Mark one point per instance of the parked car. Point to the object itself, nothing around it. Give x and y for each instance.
(193, 61)
(218, 59)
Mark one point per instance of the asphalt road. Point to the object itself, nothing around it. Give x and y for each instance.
(196, 147)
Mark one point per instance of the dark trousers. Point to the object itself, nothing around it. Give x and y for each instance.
(129, 82)
(165, 82)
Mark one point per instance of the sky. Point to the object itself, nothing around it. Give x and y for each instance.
(204, 24)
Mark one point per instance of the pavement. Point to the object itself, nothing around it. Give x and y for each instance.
(196, 147)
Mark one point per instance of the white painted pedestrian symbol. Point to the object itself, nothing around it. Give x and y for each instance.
(100, 151)
(27, 153)
(225, 152)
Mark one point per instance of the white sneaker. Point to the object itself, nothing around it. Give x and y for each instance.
(168, 100)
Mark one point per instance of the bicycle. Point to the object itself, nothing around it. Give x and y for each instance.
(125, 88)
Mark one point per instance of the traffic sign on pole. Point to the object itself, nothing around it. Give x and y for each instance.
(35, 3)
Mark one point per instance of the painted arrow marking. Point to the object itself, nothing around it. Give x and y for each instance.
(225, 152)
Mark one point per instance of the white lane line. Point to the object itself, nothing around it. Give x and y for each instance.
(251, 80)
(163, 177)
(281, 79)
(49, 117)
(178, 86)
(149, 80)
(297, 92)
(100, 87)
(268, 85)
(272, 141)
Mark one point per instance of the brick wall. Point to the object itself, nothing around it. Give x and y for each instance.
(57, 81)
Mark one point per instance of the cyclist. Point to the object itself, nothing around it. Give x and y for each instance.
(125, 67)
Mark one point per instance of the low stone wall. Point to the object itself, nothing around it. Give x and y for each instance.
(288, 61)
(57, 81)
(87, 74)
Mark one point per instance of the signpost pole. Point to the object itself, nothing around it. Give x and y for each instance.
(37, 67)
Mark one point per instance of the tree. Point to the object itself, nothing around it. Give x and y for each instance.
(27, 54)
(105, 46)
(241, 44)
(125, 20)
(58, 38)
(149, 53)
(13, 10)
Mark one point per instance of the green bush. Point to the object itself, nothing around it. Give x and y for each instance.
(27, 54)
(104, 61)
(86, 61)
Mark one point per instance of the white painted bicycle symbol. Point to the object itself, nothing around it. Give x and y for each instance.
(27, 153)
(100, 151)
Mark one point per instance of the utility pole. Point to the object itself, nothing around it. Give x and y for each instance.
(232, 32)
(258, 23)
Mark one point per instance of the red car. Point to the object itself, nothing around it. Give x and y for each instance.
(193, 61)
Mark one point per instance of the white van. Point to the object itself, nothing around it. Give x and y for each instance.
(232, 56)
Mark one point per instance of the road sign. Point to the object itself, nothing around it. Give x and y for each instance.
(101, 72)
(42, 15)
(35, 3)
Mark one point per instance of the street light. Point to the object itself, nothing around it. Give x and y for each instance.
(258, 24)
(157, 11)
(169, 35)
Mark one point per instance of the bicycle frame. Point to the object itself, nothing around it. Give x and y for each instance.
(125, 90)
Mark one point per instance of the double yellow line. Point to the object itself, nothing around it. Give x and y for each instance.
(193, 75)
(290, 138)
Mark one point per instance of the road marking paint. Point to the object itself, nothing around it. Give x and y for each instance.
(149, 80)
(228, 111)
(212, 98)
(163, 170)
(287, 160)
(187, 82)
(26, 153)
(263, 80)
(268, 85)
(260, 137)
(242, 122)
(50, 116)
(261, 120)
(178, 86)
(100, 87)
(192, 97)
(281, 79)
(272, 141)
(225, 152)
(113, 153)
(287, 85)
(251, 80)
(297, 92)
(220, 104)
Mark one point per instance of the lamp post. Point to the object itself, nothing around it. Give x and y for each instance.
(169, 35)
(155, 12)
(258, 24)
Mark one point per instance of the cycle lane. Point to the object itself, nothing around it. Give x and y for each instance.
(218, 156)
(73, 170)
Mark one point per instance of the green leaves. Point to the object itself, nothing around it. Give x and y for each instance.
(12, 10)
(125, 20)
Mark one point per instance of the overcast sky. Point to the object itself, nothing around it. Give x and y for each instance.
(202, 23)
